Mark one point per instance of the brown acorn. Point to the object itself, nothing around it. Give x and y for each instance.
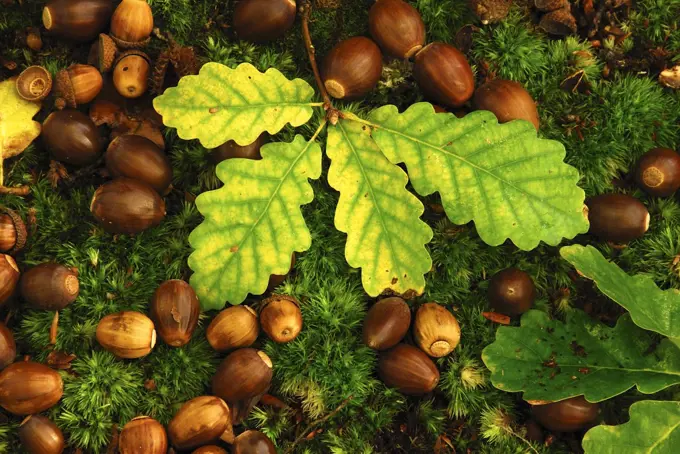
(253, 442)
(397, 27)
(175, 310)
(132, 24)
(550, 5)
(77, 20)
(28, 387)
(618, 218)
(143, 435)
(352, 68)
(231, 149)
(139, 158)
(243, 374)
(436, 330)
(444, 74)
(210, 449)
(658, 172)
(77, 84)
(277, 279)
(39, 435)
(559, 22)
(131, 73)
(567, 415)
(8, 348)
(508, 100)
(234, 327)
(260, 21)
(200, 421)
(127, 206)
(34, 83)
(12, 231)
(9, 276)
(34, 40)
(281, 318)
(49, 286)
(127, 334)
(72, 138)
(386, 323)
(511, 291)
(408, 369)
(490, 11)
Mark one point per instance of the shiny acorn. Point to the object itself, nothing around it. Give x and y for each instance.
(12, 231)
(386, 323)
(132, 24)
(72, 138)
(77, 84)
(231, 149)
(277, 279)
(508, 100)
(444, 74)
(408, 369)
(27, 388)
(127, 206)
(210, 449)
(261, 21)
(143, 435)
(131, 74)
(234, 327)
(436, 330)
(253, 442)
(567, 415)
(618, 218)
(9, 277)
(175, 310)
(139, 158)
(77, 20)
(34, 83)
(658, 172)
(39, 435)
(49, 286)
(281, 318)
(243, 374)
(352, 68)
(127, 334)
(8, 347)
(511, 291)
(200, 421)
(397, 28)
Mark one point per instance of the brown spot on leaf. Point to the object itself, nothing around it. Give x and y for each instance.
(234, 249)
(213, 110)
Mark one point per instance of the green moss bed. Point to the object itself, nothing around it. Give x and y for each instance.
(617, 112)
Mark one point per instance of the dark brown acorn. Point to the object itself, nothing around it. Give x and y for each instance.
(143, 435)
(243, 374)
(386, 323)
(231, 150)
(436, 330)
(618, 218)
(281, 318)
(277, 279)
(508, 100)
(352, 68)
(511, 291)
(175, 310)
(127, 206)
(260, 21)
(200, 421)
(490, 11)
(77, 20)
(139, 158)
(34, 83)
(658, 172)
(234, 327)
(8, 348)
(77, 84)
(253, 442)
(39, 435)
(27, 388)
(9, 276)
(408, 369)
(210, 449)
(127, 334)
(132, 24)
(72, 138)
(444, 74)
(567, 415)
(397, 28)
(131, 74)
(12, 231)
(49, 286)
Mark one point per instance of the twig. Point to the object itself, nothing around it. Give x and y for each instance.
(312, 425)
(53, 328)
(21, 191)
(305, 11)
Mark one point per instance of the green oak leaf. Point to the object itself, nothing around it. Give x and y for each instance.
(221, 104)
(501, 176)
(654, 428)
(253, 223)
(385, 236)
(551, 360)
(650, 307)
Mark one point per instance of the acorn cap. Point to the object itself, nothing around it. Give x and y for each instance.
(129, 52)
(34, 83)
(64, 89)
(107, 53)
(20, 228)
(559, 22)
(130, 45)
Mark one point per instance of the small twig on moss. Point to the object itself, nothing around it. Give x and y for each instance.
(53, 328)
(305, 11)
(312, 425)
(21, 191)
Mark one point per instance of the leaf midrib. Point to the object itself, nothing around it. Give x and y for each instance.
(249, 106)
(665, 436)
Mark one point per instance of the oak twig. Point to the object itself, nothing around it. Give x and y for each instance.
(312, 425)
(21, 191)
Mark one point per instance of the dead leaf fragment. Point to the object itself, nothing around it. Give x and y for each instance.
(671, 77)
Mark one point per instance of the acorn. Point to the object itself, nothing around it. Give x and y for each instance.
(436, 330)
(34, 40)
(127, 334)
(34, 83)
(397, 28)
(386, 323)
(408, 369)
(508, 100)
(77, 20)
(132, 24)
(352, 68)
(550, 5)
(243, 374)
(71, 137)
(49, 286)
(27, 387)
(231, 149)
(490, 11)
(281, 318)
(175, 310)
(658, 172)
(260, 21)
(618, 218)
(567, 415)
(559, 22)
(139, 158)
(234, 327)
(8, 348)
(77, 84)
(511, 291)
(9, 276)
(131, 73)
(444, 74)
(200, 421)
(12, 231)
(127, 206)
(39, 435)
(253, 442)
(210, 449)
(277, 279)
(143, 435)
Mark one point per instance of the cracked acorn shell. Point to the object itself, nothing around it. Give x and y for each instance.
(131, 74)
(658, 172)
(202, 420)
(397, 27)
(408, 369)
(261, 21)
(253, 442)
(49, 286)
(12, 231)
(77, 20)
(71, 137)
(175, 310)
(618, 218)
(132, 24)
(234, 327)
(436, 330)
(8, 348)
(143, 435)
(210, 449)
(39, 435)
(137, 157)
(77, 84)
(352, 68)
(511, 291)
(127, 206)
(508, 100)
(9, 277)
(28, 387)
(34, 83)
(444, 74)
(281, 318)
(127, 334)
(386, 323)
(243, 374)
(567, 415)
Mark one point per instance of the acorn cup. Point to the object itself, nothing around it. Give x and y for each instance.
(138, 158)
(408, 369)
(261, 21)
(127, 334)
(200, 421)
(72, 138)
(281, 318)
(131, 73)
(397, 28)
(143, 435)
(243, 374)
(567, 415)
(12, 232)
(618, 218)
(34, 83)
(27, 388)
(9, 277)
(49, 286)
(77, 20)
(444, 74)
(386, 323)
(39, 435)
(234, 327)
(103, 53)
(658, 172)
(511, 291)
(8, 348)
(77, 84)
(253, 442)
(436, 330)
(127, 206)
(175, 310)
(352, 68)
(508, 100)
(132, 24)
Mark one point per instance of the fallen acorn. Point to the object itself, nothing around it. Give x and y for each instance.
(234, 327)
(200, 421)
(143, 435)
(511, 291)
(71, 137)
(436, 330)
(397, 27)
(77, 20)
(253, 442)
(386, 323)
(139, 158)
(77, 84)
(408, 369)
(175, 310)
(444, 74)
(281, 318)
(567, 415)
(127, 206)
(261, 21)
(28, 387)
(8, 347)
(131, 74)
(39, 435)
(618, 218)
(49, 286)
(127, 334)
(13, 232)
(658, 172)
(243, 374)
(508, 100)
(132, 24)
(9, 277)
(352, 68)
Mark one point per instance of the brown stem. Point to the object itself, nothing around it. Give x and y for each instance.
(311, 426)
(53, 328)
(21, 191)
(305, 11)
